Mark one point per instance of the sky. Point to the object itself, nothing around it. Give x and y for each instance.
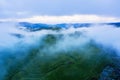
(10, 9)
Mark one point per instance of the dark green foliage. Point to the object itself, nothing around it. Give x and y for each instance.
(75, 64)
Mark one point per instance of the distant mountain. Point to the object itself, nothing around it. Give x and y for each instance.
(39, 26)
(117, 24)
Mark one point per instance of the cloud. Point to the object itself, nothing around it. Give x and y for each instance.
(64, 19)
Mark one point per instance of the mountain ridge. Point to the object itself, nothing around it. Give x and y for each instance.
(40, 26)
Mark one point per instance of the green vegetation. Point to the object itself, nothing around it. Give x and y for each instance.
(77, 63)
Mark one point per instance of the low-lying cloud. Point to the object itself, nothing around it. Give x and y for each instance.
(10, 45)
(65, 19)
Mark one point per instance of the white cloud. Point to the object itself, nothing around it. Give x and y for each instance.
(66, 19)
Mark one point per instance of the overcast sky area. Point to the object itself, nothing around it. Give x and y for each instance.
(30, 8)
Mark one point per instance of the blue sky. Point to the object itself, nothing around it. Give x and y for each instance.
(30, 8)
(22, 8)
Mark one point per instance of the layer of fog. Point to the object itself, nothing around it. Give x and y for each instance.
(103, 34)
(11, 45)
(106, 35)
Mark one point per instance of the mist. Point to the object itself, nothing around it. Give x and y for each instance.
(17, 47)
